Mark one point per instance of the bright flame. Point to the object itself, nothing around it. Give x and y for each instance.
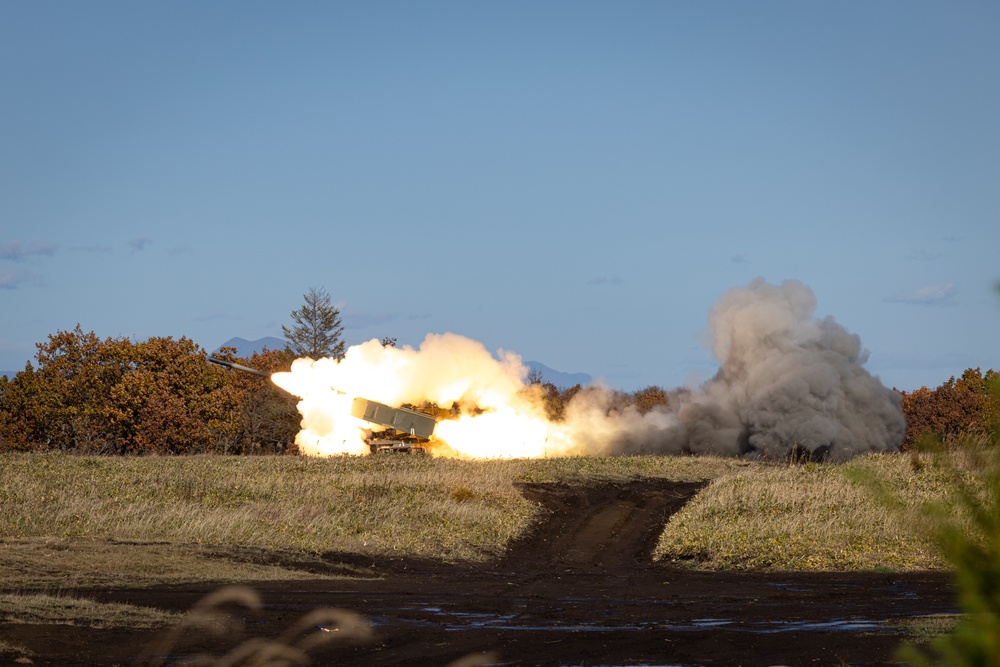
(495, 415)
(327, 425)
(786, 380)
(502, 433)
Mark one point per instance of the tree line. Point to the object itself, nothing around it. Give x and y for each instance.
(158, 396)
(162, 396)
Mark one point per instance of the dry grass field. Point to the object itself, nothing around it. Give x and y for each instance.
(809, 517)
(70, 523)
(65, 519)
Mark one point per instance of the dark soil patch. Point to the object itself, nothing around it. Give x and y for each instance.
(580, 589)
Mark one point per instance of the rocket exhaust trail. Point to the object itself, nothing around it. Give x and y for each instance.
(787, 382)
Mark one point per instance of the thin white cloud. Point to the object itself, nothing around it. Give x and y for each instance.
(181, 249)
(139, 243)
(927, 295)
(923, 255)
(16, 250)
(363, 320)
(9, 279)
(14, 278)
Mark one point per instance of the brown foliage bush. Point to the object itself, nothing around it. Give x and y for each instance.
(556, 399)
(958, 407)
(649, 398)
(161, 396)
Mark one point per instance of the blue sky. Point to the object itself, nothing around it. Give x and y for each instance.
(577, 182)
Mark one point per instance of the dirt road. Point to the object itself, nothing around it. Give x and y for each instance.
(579, 590)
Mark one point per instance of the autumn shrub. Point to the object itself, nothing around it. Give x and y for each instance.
(116, 396)
(956, 408)
(557, 399)
(650, 397)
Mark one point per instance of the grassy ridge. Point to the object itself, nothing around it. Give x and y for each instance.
(874, 512)
(376, 505)
(65, 520)
(811, 517)
(74, 514)
(63, 609)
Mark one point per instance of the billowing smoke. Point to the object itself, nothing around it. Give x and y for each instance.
(788, 383)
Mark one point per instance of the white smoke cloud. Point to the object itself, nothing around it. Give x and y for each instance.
(447, 370)
(787, 383)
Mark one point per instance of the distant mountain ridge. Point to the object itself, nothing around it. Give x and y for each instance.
(558, 378)
(246, 348)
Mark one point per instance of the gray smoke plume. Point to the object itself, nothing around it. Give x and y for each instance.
(788, 384)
